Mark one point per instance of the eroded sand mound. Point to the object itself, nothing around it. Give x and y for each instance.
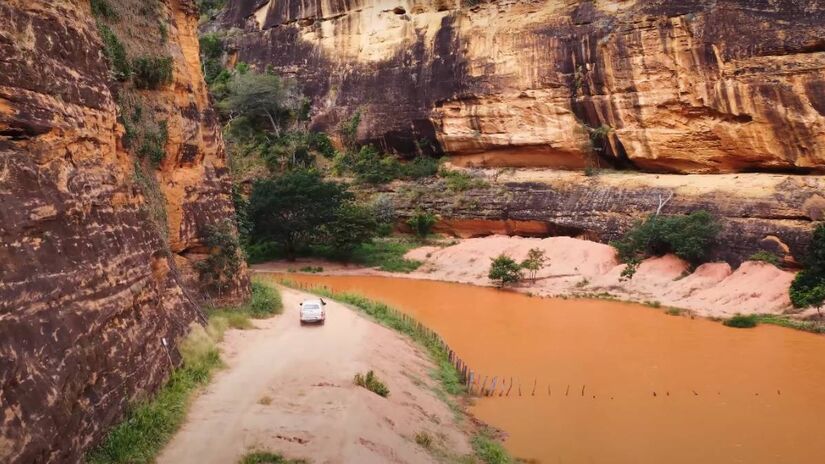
(581, 266)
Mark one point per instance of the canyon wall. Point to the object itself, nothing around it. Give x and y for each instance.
(689, 86)
(96, 243)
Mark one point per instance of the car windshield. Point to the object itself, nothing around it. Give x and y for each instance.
(311, 306)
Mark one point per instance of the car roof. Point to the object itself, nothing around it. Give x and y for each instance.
(315, 301)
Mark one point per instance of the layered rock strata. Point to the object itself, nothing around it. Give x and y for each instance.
(756, 211)
(690, 86)
(95, 285)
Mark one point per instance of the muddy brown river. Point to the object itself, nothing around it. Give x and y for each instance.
(623, 383)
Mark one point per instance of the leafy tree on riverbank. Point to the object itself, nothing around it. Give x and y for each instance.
(291, 209)
(690, 237)
(504, 270)
(808, 288)
(534, 262)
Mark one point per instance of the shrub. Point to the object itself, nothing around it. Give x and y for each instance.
(115, 53)
(534, 262)
(765, 257)
(383, 209)
(689, 237)
(808, 287)
(348, 129)
(504, 271)
(219, 269)
(265, 457)
(423, 439)
(421, 166)
(265, 301)
(353, 225)
(371, 383)
(103, 9)
(153, 144)
(489, 450)
(459, 181)
(312, 269)
(387, 255)
(211, 47)
(152, 72)
(740, 321)
(422, 223)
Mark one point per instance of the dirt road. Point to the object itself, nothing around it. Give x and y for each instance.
(288, 388)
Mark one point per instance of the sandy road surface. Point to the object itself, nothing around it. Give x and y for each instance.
(315, 411)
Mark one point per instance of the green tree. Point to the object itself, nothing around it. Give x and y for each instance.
(534, 262)
(505, 271)
(290, 210)
(690, 237)
(261, 99)
(354, 224)
(808, 287)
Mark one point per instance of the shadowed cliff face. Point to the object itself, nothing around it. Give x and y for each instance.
(693, 86)
(90, 285)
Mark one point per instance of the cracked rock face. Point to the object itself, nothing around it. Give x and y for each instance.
(90, 286)
(690, 86)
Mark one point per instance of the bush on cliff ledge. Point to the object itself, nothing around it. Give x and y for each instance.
(690, 237)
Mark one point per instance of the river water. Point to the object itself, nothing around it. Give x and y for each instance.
(622, 383)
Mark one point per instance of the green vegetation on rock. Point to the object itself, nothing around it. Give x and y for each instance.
(422, 223)
(115, 53)
(690, 237)
(152, 72)
(219, 270)
(765, 257)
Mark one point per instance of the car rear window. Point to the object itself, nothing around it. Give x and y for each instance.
(311, 306)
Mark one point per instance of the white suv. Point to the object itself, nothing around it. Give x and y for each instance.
(313, 311)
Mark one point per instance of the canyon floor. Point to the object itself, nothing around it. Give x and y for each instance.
(289, 389)
(582, 268)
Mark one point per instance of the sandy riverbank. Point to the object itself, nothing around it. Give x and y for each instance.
(288, 388)
(581, 268)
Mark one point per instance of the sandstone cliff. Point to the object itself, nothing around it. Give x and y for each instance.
(93, 240)
(770, 212)
(687, 86)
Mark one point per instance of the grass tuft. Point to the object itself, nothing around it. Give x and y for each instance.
(371, 382)
(265, 457)
(490, 450)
